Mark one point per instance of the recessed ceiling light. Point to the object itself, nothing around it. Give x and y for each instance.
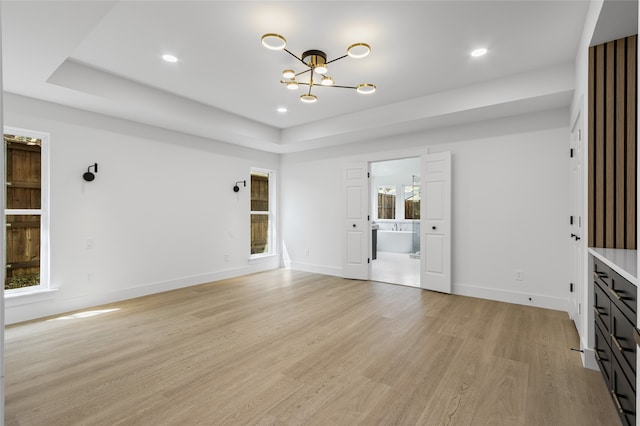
(282, 110)
(169, 58)
(479, 52)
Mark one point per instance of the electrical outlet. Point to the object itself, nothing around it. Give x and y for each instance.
(89, 243)
(519, 275)
(307, 252)
(226, 258)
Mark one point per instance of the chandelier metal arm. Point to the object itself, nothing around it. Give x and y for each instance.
(311, 81)
(341, 87)
(300, 59)
(320, 85)
(336, 59)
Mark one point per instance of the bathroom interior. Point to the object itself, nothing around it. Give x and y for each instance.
(395, 208)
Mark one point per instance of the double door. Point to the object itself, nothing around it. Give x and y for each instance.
(435, 222)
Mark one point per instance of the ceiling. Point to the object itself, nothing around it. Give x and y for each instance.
(106, 57)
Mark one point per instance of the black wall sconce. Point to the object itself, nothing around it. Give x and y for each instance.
(88, 176)
(236, 188)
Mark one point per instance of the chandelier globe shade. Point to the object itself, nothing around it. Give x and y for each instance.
(359, 50)
(274, 41)
(327, 81)
(308, 98)
(366, 88)
(288, 74)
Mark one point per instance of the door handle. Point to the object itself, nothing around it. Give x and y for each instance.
(615, 342)
(599, 274)
(433, 227)
(354, 225)
(617, 401)
(615, 294)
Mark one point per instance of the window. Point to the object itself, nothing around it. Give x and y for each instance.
(262, 212)
(26, 212)
(412, 201)
(386, 202)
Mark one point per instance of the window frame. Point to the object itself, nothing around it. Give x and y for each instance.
(43, 211)
(395, 202)
(404, 203)
(271, 213)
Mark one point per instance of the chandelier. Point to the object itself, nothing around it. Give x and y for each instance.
(315, 62)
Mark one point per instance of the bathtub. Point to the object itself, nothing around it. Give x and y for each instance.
(395, 241)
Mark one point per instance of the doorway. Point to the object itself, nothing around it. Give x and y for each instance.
(395, 218)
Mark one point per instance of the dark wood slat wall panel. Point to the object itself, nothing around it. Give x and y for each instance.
(620, 142)
(599, 149)
(591, 193)
(612, 144)
(610, 147)
(631, 140)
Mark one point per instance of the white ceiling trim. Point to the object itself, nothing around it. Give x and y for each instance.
(547, 88)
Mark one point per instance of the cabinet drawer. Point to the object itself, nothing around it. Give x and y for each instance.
(603, 354)
(601, 273)
(623, 294)
(623, 396)
(622, 343)
(602, 308)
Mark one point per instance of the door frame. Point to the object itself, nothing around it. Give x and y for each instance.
(372, 196)
(446, 285)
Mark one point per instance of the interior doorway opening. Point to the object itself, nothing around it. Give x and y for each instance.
(395, 219)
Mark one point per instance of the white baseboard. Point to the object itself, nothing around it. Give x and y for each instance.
(316, 269)
(25, 309)
(589, 359)
(520, 298)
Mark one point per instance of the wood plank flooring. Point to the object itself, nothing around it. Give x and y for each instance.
(293, 348)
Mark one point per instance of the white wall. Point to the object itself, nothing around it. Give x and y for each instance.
(161, 212)
(510, 204)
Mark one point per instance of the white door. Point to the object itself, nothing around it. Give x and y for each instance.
(575, 223)
(355, 177)
(435, 223)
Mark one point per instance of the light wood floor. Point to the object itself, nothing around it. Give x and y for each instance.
(293, 348)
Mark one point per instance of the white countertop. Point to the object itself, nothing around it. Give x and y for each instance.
(624, 262)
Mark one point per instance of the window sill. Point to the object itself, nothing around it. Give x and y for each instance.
(30, 296)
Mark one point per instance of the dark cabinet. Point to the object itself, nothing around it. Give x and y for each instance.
(603, 353)
(602, 309)
(623, 395)
(614, 309)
